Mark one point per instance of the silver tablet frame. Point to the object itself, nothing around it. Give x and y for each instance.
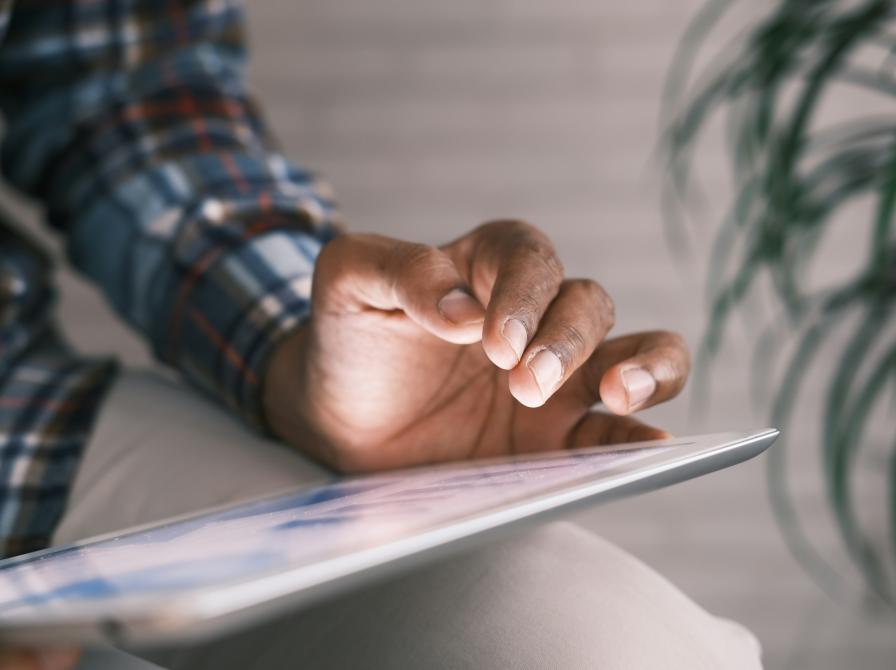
(214, 611)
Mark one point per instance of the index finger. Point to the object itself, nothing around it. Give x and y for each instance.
(516, 273)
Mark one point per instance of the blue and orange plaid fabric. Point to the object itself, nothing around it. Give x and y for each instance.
(130, 122)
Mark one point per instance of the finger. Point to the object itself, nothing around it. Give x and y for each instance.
(573, 326)
(18, 660)
(360, 272)
(636, 371)
(516, 273)
(597, 428)
(45, 659)
(58, 659)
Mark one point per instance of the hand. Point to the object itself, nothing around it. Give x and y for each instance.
(46, 659)
(415, 354)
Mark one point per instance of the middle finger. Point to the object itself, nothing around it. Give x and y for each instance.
(571, 329)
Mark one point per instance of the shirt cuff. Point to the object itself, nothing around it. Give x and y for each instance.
(227, 319)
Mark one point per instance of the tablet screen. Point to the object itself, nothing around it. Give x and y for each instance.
(290, 531)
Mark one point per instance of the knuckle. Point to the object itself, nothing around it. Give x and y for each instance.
(607, 306)
(574, 338)
(585, 289)
(336, 254)
(526, 307)
(569, 345)
(410, 262)
(551, 260)
(540, 256)
(593, 294)
(524, 238)
(417, 256)
(508, 228)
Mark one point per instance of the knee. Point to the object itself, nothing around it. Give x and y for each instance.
(560, 597)
(557, 598)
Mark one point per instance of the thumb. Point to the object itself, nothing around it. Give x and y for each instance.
(358, 272)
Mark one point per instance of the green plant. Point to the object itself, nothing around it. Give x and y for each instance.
(793, 175)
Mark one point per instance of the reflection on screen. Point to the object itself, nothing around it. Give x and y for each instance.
(291, 531)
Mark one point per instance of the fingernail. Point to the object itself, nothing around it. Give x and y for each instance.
(639, 385)
(515, 333)
(547, 370)
(460, 308)
(56, 659)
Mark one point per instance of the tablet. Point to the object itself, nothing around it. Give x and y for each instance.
(195, 577)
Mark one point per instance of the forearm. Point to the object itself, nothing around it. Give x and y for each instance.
(153, 160)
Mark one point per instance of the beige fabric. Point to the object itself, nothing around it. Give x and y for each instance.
(159, 449)
(555, 597)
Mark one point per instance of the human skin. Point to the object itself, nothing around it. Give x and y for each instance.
(47, 659)
(415, 354)
(408, 359)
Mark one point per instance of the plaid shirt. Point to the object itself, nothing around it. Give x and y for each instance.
(130, 123)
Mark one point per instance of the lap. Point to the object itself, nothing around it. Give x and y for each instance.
(554, 597)
(159, 449)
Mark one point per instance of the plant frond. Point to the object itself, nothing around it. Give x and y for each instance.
(801, 546)
(792, 179)
(840, 431)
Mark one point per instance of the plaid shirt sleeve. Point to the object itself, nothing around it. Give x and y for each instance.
(130, 122)
(48, 400)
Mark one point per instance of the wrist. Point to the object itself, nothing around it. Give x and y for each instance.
(284, 389)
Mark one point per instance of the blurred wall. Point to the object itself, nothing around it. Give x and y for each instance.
(430, 117)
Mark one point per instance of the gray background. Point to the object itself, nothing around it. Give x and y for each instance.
(431, 117)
